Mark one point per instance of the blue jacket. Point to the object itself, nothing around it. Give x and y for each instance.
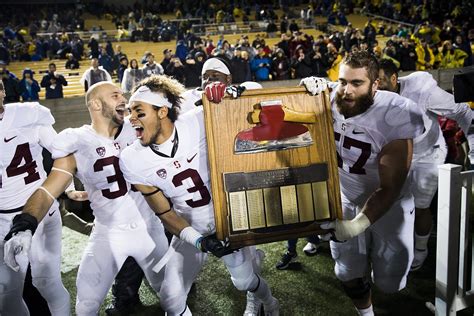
(261, 66)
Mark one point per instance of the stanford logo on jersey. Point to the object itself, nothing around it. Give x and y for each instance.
(162, 173)
(100, 151)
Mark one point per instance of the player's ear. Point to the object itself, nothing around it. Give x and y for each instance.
(94, 104)
(375, 84)
(163, 112)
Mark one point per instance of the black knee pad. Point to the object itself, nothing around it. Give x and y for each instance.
(359, 291)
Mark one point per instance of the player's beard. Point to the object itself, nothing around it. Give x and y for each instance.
(361, 104)
(110, 113)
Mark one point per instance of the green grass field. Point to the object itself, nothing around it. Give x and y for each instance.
(309, 287)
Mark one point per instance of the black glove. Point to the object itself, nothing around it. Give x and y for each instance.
(235, 91)
(22, 222)
(216, 247)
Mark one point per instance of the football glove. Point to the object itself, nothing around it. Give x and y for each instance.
(215, 91)
(18, 239)
(314, 85)
(342, 230)
(211, 244)
(18, 244)
(235, 91)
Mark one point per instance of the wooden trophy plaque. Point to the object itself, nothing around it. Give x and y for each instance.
(273, 165)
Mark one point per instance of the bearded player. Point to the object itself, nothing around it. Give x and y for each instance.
(173, 165)
(429, 149)
(123, 225)
(25, 129)
(374, 133)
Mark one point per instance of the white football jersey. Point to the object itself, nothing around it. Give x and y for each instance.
(26, 128)
(97, 159)
(422, 88)
(182, 177)
(190, 97)
(360, 139)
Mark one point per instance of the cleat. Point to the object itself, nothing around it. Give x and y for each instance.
(254, 305)
(285, 261)
(311, 249)
(419, 259)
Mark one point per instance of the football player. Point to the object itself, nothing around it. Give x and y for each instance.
(429, 149)
(172, 164)
(374, 133)
(216, 80)
(25, 129)
(123, 226)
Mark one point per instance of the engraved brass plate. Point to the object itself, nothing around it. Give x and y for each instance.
(321, 201)
(271, 197)
(305, 202)
(238, 211)
(289, 204)
(256, 208)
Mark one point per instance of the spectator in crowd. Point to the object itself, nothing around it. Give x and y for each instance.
(425, 57)
(94, 47)
(121, 68)
(10, 84)
(53, 83)
(281, 69)
(175, 69)
(151, 67)
(261, 65)
(166, 59)
(29, 87)
(301, 63)
(284, 25)
(118, 56)
(240, 67)
(452, 57)
(71, 62)
(463, 45)
(319, 61)
(407, 55)
(94, 74)
(192, 72)
(181, 50)
(106, 61)
(132, 76)
(293, 27)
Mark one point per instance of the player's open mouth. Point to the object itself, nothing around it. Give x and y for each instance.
(120, 110)
(138, 131)
(349, 101)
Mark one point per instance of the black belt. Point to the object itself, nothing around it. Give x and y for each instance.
(18, 209)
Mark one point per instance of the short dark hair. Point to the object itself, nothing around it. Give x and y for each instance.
(52, 64)
(388, 66)
(363, 59)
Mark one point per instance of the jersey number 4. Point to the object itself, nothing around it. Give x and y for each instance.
(365, 150)
(16, 168)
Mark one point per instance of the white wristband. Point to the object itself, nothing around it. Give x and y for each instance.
(191, 236)
(348, 229)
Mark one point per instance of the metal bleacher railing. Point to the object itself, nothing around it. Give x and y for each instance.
(454, 261)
